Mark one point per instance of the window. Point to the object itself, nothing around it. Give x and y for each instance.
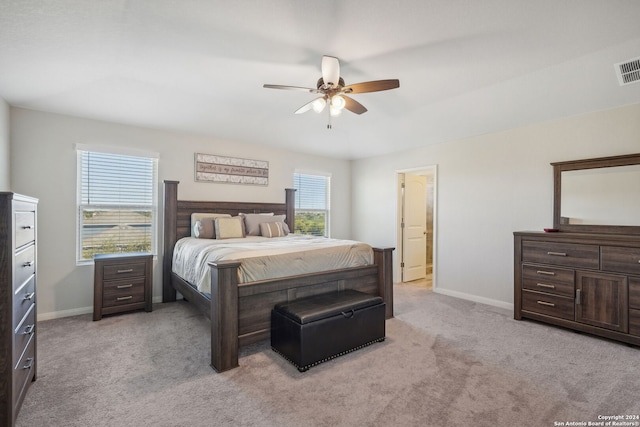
(312, 204)
(117, 202)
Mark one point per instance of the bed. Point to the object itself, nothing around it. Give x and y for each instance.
(240, 312)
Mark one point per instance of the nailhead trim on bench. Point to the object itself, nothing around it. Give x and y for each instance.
(306, 368)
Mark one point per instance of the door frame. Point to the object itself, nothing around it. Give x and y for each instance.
(431, 169)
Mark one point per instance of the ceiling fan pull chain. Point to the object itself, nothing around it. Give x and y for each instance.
(329, 113)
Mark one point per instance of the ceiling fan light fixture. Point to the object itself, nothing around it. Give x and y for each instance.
(331, 89)
(338, 102)
(319, 104)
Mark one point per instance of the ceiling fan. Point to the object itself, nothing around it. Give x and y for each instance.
(334, 92)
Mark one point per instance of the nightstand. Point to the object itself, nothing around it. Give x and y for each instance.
(122, 282)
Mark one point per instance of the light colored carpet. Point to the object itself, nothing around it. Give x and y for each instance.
(446, 362)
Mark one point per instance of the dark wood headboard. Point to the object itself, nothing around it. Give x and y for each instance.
(177, 216)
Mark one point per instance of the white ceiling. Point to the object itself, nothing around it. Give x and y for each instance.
(466, 67)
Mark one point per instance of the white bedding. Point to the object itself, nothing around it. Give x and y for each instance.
(266, 258)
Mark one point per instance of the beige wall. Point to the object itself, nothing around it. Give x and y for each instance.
(5, 169)
(487, 187)
(44, 166)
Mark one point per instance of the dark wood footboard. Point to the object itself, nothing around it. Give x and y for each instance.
(241, 313)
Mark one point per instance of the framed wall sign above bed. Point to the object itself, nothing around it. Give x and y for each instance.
(230, 170)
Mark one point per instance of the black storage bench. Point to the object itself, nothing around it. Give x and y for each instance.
(315, 329)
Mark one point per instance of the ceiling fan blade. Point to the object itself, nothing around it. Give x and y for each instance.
(353, 105)
(330, 70)
(373, 86)
(305, 89)
(308, 106)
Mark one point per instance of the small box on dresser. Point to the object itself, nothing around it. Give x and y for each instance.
(18, 361)
(122, 282)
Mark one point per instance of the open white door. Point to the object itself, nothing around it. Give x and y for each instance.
(414, 241)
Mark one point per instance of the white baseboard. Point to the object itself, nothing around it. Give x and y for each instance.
(64, 313)
(474, 298)
(78, 311)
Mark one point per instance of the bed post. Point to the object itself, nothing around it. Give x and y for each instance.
(224, 315)
(383, 258)
(170, 230)
(290, 201)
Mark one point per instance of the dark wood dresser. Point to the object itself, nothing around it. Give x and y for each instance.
(583, 281)
(18, 219)
(122, 282)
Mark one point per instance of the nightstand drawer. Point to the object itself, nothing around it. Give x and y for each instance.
(567, 254)
(626, 260)
(121, 292)
(25, 266)
(25, 228)
(552, 280)
(23, 333)
(24, 299)
(124, 270)
(550, 305)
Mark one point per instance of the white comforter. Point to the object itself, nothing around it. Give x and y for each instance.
(266, 258)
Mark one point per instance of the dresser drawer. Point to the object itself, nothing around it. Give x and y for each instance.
(25, 228)
(23, 332)
(124, 270)
(634, 322)
(550, 305)
(23, 372)
(24, 298)
(121, 292)
(25, 266)
(616, 258)
(634, 292)
(567, 254)
(552, 280)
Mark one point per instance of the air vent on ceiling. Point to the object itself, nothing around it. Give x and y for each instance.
(628, 71)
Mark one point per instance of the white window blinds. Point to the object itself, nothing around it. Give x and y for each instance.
(312, 204)
(117, 204)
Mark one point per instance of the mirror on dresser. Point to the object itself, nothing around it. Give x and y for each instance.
(597, 195)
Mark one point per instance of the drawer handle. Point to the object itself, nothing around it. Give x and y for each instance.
(128, 270)
(29, 297)
(124, 298)
(578, 296)
(29, 363)
(546, 303)
(28, 264)
(349, 314)
(130, 285)
(544, 285)
(26, 227)
(546, 273)
(557, 253)
(29, 329)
